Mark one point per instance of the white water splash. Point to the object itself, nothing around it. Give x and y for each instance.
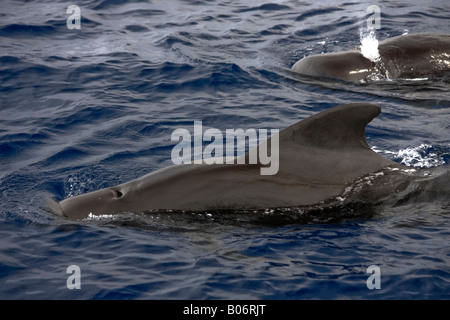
(93, 217)
(369, 44)
(422, 156)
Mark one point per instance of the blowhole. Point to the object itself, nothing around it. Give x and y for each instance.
(117, 193)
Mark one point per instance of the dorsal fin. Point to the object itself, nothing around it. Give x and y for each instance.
(339, 127)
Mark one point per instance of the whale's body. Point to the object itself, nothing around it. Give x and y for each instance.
(403, 57)
(319, 159)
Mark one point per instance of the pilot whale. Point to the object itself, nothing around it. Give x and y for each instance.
(320, 158)
(402, 57)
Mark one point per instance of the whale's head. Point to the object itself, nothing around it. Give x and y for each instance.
(349, 66)
(105, 201)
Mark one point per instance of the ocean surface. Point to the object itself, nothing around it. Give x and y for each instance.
(83, 109)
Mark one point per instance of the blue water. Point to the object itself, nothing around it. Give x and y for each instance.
(90, 108)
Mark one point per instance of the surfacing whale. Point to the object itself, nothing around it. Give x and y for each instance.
(403, 57)
(322, 160)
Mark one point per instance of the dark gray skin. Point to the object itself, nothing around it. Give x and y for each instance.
(319, 157)
(402, 57)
